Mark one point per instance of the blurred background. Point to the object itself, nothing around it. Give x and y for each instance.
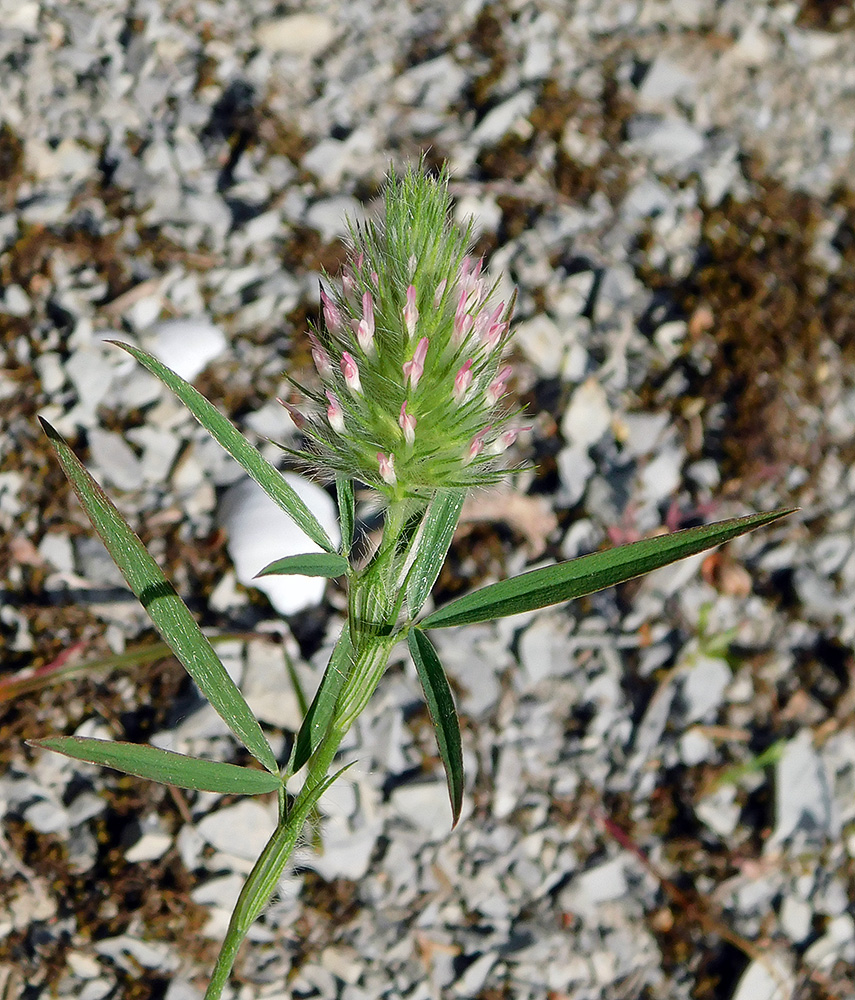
(661, 778)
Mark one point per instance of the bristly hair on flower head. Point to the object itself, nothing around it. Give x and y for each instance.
(413, 389)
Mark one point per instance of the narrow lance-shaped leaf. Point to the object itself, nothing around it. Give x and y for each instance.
(440, 704)
(346, 511)
(170, 615)
(163, 765)
(432, 540)
(329, 564)
(229, 437)
(587, 574)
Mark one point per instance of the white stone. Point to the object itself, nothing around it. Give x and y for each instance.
(426, 805)
(669, 337)
(831, 947)
(582, 537)
(115, 459)
(803, 799)
(221, 892)
(160, 448)
(84, 807)
(575, 468)
(720, 810)
(576, 360)
(347, 851)
(330, 160)
(543, 649)
(569, 296)
(268, 689)
(796, 918)
(272, 421)
(144, 311)
(96, 989)
(695, 747)
(152, 845)
(15, 301)
(646, 198)
(497, 122)
(482, 209)
(473, 664)
(671, 579)
(58, 551)
(704, 683)
(140, 389)
(432, 84)
(92, 370)
(260, 531)
(642, 432)
(588, 415)
(669, 140)
(719, 176)
(185, 345)
(179, 989)
(227, 595)
(24, 15)
(51, 371)
(540, 340)
(298, 34)
(472, 980)
(752, 47)
(190, 844)
(602, 884)
(663, 81)
(759, 983)
(150, 954)
(242, 829)
(329, 216)
(47, 816)
(82, 965)
(616, 289)
(46, 210)
(69, 160)
(262, 228)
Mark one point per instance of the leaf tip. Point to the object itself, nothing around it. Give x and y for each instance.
(125, 346)
(47, 427)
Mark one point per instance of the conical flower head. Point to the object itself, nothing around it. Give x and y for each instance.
(410, 354)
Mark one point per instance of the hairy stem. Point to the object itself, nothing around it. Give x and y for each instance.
(374, 607)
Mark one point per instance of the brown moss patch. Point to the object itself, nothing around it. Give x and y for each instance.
(486, 40)
(762, 314)
(603, 120)
(826, 15)
(11, 165)
(28, 262)
(304, 250)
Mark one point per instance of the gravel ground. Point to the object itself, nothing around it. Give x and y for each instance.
(661, 778)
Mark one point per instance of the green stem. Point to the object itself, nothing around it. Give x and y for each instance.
(373, 609)
(265, 875)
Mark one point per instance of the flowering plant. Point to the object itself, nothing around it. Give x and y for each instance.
(412, 402)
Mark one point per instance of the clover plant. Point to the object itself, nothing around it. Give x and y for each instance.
(411, 400)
